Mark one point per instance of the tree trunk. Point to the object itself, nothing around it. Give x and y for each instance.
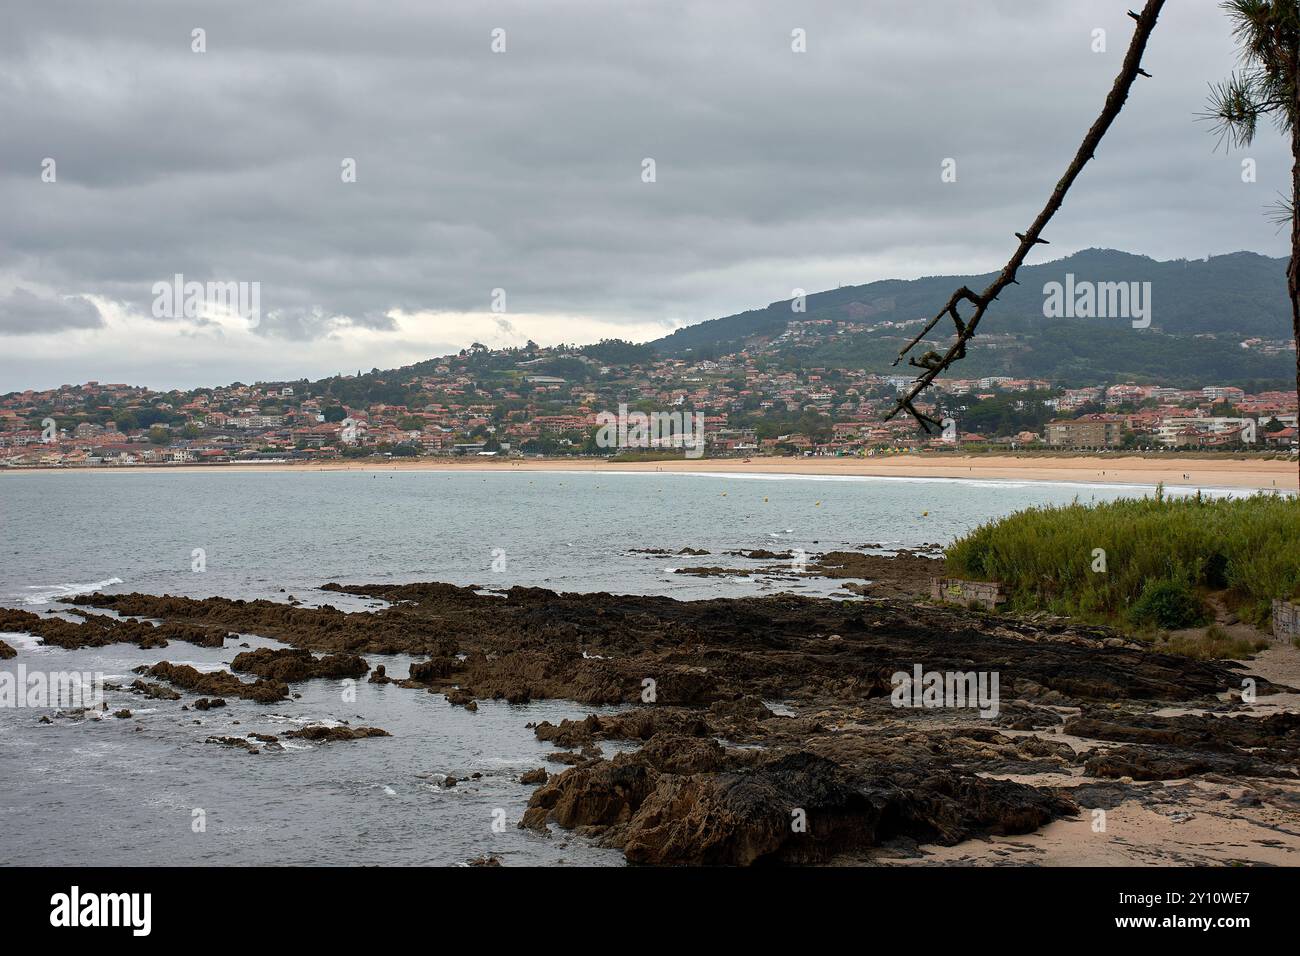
(1293, 269)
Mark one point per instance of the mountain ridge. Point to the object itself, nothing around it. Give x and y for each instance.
(1243, 292)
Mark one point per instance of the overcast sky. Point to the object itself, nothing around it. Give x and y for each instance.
(523, 170)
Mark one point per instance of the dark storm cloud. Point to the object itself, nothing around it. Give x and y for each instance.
(521, 170)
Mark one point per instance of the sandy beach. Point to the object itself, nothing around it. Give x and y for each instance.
(1262, 474)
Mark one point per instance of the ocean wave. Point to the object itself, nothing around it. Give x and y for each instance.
(45, 593)
(21, 640)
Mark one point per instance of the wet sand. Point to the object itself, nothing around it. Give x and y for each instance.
(1214, 820)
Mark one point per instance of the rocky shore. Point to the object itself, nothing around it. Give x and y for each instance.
(767, 728)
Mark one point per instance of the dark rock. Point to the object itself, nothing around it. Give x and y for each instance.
(234, 742)
(295, 664)
(319, 733)
(217, 683)
(153, 691)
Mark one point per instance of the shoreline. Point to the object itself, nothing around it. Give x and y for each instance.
(1081, 720)
(1209, 473)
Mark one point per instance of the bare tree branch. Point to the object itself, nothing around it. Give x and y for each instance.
(932, 363)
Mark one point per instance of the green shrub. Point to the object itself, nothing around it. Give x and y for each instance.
(1168, 604)
(1247, 547)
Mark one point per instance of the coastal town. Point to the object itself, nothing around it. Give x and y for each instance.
(536, 401)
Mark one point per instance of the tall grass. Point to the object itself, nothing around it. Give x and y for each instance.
(1248, 548)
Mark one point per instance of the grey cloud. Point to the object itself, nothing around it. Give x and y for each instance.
(22, 312)
(522, 170)
(307, 324)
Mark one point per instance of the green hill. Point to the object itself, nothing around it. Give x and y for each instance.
(1231, 297)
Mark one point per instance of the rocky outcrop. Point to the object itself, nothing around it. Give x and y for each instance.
(392, 631)
(100, 630)
(294, 664)
(6, 652)
(322, 734)
(239, 742)
(424, 672)
(675, 804)
(530, 643)
(217, 683)
(722, 774)
(1170, 763)
(459, 698)
(1170, 748)
(153, 691)
(1276, 734)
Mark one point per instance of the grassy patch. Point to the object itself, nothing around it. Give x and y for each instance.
(1143, 562)
(652, 456)
(1214, 644)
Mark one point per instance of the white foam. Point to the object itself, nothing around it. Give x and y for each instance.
(20, 640)
(45, 593)
(1000, 483)
(203, 667)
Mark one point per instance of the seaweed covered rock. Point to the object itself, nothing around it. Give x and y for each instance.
(790, 807)
(322, 734)
(217, 683)
(296, 664)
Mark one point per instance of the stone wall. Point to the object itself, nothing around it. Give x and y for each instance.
(966, 593)
(1286, 619)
